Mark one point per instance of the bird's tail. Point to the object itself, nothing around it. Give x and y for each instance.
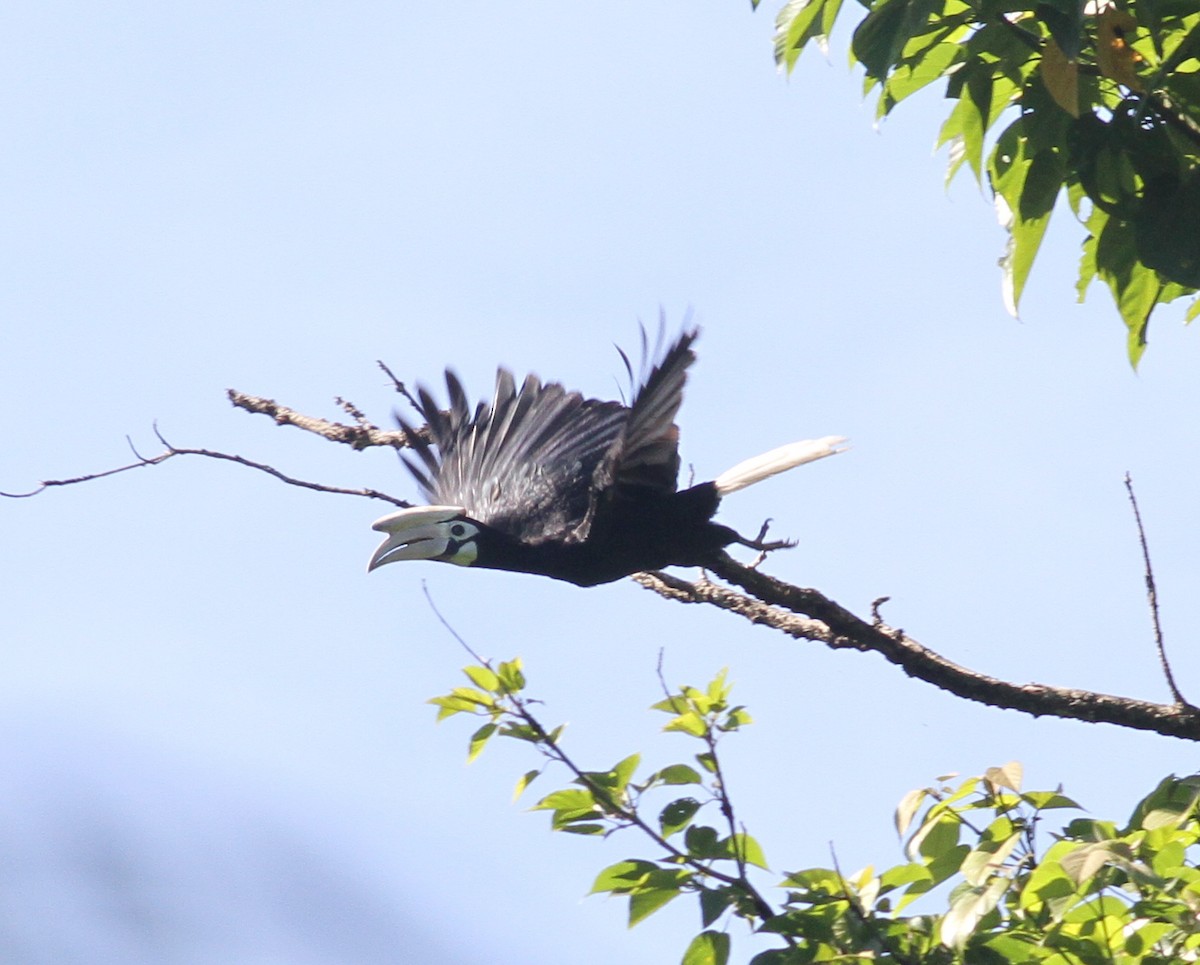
(750, 471)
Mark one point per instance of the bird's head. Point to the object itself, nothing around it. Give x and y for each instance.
(443, 533)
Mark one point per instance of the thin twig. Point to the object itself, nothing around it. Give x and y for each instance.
(356, 414)
(399, 386)
(449, 629)
(613, 807)
(172, 451)
(1152, 597)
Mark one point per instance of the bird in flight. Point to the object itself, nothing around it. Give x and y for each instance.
(541, 480)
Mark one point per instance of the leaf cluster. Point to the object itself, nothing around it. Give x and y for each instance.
(1095, 894)
(1101, 104)
(1092, 893)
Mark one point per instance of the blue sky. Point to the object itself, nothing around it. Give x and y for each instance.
(273, 196)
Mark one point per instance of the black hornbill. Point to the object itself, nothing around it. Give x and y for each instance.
(542, 480)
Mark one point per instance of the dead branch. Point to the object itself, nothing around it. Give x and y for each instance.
(361, 436)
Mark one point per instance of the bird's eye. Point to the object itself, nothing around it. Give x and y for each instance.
(458, 530)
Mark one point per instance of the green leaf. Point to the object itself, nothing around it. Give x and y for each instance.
(479, 740)
(923, 67)
(749, 849)
(649, 887)
(512, 677)
(881, 37)
(624, 876)
(643, 904)
(736, 718)
(1025, 189)
(1166, 227)
(799, 22)
(677, 815)
(1135, 287)
(1083, 862)
(996, 844)
(1048, 885)
(521, 732)
(678, 774)
(617, 779)
(713, 903)
(483, 677)
(1168, 805)
(477, 697)
(963, 129)
(689, 723)
(671, 705)
(523, 782)
(702, 841)
(570, 805)
(937, 835)
(904, 874)
(966, 910)
(450, 705)
(1018, 947)
(1048, 800)
(707, 948)
(815, 882)
(718, 690)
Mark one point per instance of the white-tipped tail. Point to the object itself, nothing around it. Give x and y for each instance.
(779, 460)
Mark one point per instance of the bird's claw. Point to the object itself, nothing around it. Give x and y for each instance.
(759, 543)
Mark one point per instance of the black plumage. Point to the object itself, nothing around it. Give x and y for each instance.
(542, 480)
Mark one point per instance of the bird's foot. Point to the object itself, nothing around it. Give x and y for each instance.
(760, 543)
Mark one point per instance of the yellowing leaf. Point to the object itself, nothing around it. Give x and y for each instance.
(1007, 776)
(1061, 77)
(907, 809)
(1115, 57)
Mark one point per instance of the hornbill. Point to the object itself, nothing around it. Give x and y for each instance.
(542, 480)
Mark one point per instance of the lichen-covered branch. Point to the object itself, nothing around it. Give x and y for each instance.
(361, 436)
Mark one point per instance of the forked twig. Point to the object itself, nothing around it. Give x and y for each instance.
(172, 451)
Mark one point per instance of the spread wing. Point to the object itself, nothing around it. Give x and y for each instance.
(541, 463)
(522, 463)
(645, 455)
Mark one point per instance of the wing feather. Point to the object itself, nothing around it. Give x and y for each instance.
(647, 451)
(523, 463)
(541, 463)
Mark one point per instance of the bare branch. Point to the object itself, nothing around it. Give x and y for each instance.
(50, 483)
(796, 611)
(172, 451)
(1152, 597)
(809, 615)
(361, 436)
(355, 413)
(399, 386)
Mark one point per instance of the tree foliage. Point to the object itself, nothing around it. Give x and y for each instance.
(995, 888)
(1100, 103)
